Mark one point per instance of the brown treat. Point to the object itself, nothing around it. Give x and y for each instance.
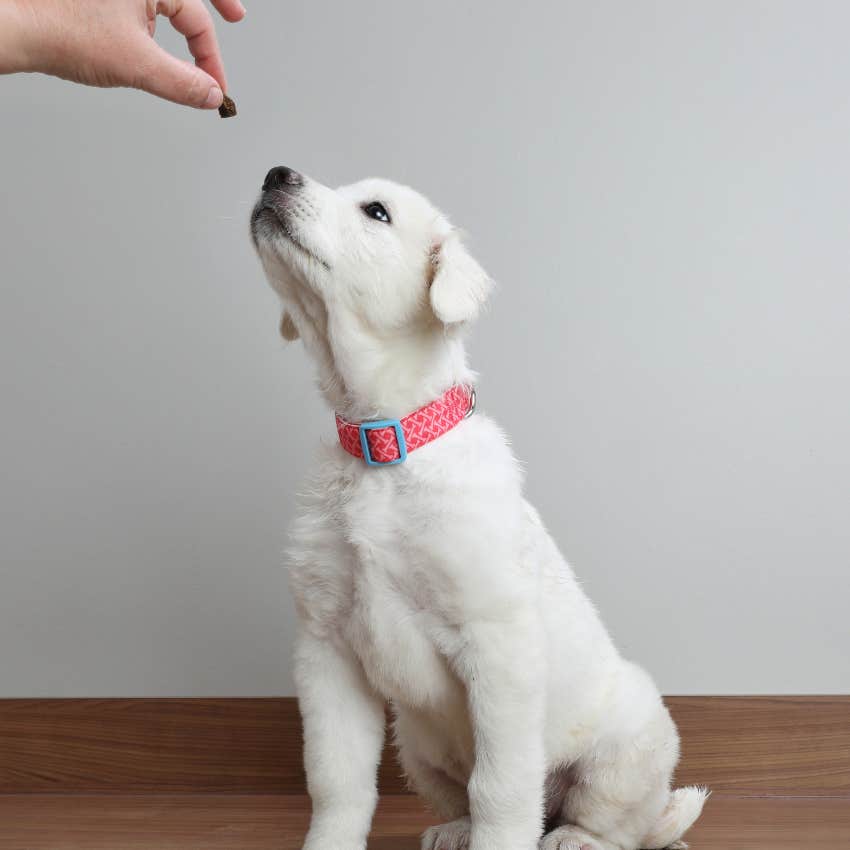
(227, 108)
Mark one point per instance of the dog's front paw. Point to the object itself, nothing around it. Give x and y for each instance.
(447, 836)
(328, 838)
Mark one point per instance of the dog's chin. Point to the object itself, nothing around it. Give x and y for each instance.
(273, 234)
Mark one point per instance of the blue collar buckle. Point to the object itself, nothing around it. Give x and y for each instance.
(395, 424)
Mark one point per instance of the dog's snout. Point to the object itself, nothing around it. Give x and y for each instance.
(280, 177)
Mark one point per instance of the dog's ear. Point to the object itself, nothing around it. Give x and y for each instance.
(459, 286)
(287, 327)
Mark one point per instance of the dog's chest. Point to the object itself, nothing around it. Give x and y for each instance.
(376, 583)
(397, 642)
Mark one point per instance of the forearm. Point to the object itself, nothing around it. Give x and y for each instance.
(16, 38)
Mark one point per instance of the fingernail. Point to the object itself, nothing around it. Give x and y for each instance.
(214, 98)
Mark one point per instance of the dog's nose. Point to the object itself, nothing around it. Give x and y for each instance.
(280, 177)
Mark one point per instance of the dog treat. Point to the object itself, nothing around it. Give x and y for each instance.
(227, 108)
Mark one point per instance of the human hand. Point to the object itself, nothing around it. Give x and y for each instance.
(110, 43)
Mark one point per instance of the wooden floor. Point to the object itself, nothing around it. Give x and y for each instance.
(278, 822)
(219, 774)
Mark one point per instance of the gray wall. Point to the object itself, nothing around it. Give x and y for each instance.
(661, 190)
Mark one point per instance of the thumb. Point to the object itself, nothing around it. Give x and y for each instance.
(168, 77)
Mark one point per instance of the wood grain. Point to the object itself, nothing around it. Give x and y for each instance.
(248, 822)
(150, 745)
(765, 745)
(746, 745)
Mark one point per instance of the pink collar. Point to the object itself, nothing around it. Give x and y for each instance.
(384, 442)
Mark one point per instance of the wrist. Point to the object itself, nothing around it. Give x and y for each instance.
(16, 38)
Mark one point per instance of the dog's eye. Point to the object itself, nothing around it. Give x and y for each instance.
(377, 211)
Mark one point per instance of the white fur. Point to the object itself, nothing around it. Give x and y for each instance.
(433, 585)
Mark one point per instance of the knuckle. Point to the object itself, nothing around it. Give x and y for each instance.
(196, 90)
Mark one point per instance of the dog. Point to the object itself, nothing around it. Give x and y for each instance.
(422, 577)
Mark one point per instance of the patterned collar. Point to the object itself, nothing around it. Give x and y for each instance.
(385, 442)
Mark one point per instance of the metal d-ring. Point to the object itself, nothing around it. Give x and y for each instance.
(472, 401)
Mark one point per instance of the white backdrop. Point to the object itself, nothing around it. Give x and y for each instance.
(661, 191)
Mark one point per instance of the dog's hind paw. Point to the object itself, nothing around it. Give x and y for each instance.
(447, 836)
(571, 838)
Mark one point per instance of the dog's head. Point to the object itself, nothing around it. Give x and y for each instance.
(373, 278)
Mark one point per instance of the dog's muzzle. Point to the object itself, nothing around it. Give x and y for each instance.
(280, 183)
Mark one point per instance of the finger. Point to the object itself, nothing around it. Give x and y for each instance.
(230, 10)
(174, 79)
(192, 19)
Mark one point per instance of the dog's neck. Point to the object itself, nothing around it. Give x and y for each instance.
(362, 380)
(365, 375)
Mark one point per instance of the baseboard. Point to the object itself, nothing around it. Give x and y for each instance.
(744, 745)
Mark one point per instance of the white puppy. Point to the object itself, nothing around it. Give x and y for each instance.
(432, 585)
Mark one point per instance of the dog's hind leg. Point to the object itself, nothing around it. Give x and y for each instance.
(446, 797)
(613, 805)
(574, 838)
(620, 798)
(421, 751)
(448, 836)
(445, 794)
(622, 804)
(561, 834)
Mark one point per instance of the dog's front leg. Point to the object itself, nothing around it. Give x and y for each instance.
(502, 667)
(343, 735)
